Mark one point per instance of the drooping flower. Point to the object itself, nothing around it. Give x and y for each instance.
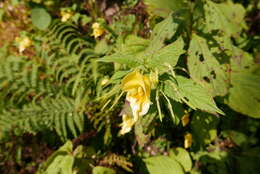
(66, 15)
(138, 88)
(23, 43)
(97, 30)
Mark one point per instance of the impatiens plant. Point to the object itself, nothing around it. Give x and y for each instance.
(130, 86)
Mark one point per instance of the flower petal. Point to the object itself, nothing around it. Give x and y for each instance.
(127, 124)
(145, 108)
(133, 80)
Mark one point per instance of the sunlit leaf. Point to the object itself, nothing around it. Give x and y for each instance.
(163, 165)
(227, 17)
(168, 55)
(183, 157)
(191, 93)
(205, 69)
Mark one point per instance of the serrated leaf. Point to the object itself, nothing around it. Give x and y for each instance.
(187, 91)
(227, 17)
(163, 165)
(183, 157)
(162, 31)
(41, 18)
(129, 53)
(134, 44)
(163, 7)
(168, 55)
(205, 69)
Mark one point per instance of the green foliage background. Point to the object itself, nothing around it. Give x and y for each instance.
(61, 97)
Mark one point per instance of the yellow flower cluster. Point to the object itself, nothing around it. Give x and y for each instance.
(97, 30)
(65, 15)
(23, 43)
(138, 88)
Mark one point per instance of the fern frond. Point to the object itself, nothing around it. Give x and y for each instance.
(20, 79)
(69, 56)
(59, 114)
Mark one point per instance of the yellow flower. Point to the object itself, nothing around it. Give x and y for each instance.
(187, 140)
(104, 81)
(127, 124)
(138, 88)
(65, 15)
(23, 43)
(97, 30)
(185, 119)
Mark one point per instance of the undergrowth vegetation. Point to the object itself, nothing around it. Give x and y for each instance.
(129, 86)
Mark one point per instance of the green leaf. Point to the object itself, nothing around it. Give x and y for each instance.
(122, 58)
(244, 94)
(163, 165)
(187, 91)
(103, 170)
(134, 44)
(119, 75)
(129, 53)
(101, 47)
(204, 67)
(183, 157)
(168, 55)
(61, 161)
(162, 31)
(41, 18)
(227, 17)
(204, 127)
(163, 7)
